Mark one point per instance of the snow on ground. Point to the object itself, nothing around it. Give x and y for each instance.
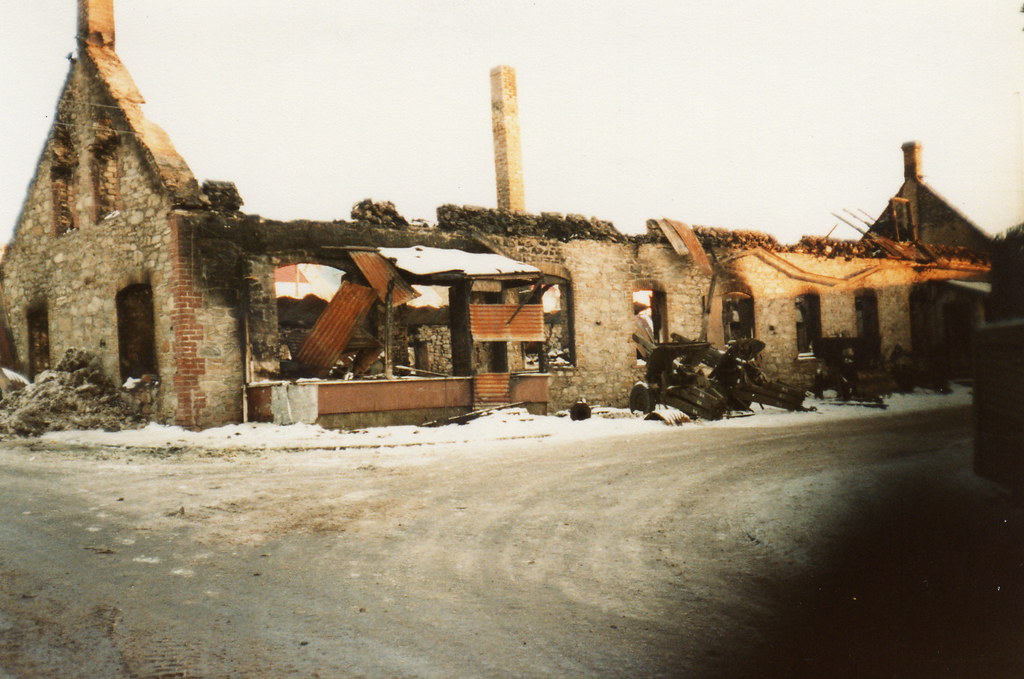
(512, 424)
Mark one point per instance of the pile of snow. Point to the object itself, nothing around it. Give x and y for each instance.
(75, 394)
(503, 425)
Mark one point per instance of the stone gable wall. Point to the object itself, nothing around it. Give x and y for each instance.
(78, 274)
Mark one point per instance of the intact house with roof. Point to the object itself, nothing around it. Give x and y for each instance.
(217, 316)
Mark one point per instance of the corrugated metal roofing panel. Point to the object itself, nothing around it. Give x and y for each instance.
(335, 327)
(490, 389)
(378, 272)
(507, 322)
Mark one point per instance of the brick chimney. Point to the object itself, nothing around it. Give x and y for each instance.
(912, 160)
(508, 152)
(96, 22)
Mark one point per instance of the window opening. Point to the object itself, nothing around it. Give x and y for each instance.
(106, 175)
(808, 322)
(649, 321)
(737, 316)
(62, 181)
(136, 332)
(38, 341)
(558, 348)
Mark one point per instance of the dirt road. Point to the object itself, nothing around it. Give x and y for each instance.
(827, 550)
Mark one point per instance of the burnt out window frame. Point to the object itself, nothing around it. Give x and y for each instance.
(63, 180)
(136, 331)
(807, 308)
(739, 320)
(105, 170)
(37, 327)
(568, 321)
(866, 310)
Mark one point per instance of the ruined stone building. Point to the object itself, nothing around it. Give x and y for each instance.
(225, 316)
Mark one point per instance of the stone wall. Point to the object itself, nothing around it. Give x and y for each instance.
(123, 228)
(77, 274)
(775, 285)
(605, 268)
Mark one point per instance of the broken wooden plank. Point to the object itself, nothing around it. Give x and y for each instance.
(684, 235)
(332, 331)
(472, 415)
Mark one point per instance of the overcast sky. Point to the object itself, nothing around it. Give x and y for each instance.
(731, 113)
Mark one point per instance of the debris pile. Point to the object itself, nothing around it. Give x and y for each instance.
(830, 247)
(707, 383)
(383, 213)
(714, 239)
(75, 394)
(552, 225)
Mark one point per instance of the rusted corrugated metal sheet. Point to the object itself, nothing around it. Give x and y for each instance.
(528, 388)
(490, 389)
(507, 322)
(369, 396)
(684, 241)
(334, 328)
(378, 272)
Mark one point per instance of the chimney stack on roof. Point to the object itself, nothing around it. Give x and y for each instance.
(508, 152)
(96, 23)
(912, 160)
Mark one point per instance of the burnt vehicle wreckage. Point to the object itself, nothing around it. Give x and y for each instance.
(707, 383)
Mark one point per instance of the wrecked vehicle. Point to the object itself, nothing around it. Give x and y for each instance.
(677, 376)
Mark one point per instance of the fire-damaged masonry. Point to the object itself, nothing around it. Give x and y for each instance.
(217, 316)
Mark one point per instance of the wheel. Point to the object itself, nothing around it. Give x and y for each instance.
(641, 400)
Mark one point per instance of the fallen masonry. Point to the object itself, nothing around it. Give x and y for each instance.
(75, 394)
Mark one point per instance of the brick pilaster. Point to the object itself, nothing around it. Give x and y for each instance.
(187, 331)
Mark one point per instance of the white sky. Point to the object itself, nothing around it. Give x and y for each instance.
(728, 113)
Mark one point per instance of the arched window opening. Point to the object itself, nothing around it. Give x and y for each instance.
(106, 173)
(136, 332)
(737, 316)
(650, 321)
(62, 181)
(559, 347)
(38, 321)
(808, 322)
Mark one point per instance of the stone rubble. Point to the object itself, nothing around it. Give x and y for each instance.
(75, 394)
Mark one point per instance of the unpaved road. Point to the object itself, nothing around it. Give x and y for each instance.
(840, 549)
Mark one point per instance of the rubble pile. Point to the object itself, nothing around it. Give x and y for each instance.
(960, 254)
(552, 225)
(374, 212)
(222, 195)
(828, 247)
(714, 238)
(75, 394)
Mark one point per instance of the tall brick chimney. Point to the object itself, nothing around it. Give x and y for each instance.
(96, 22)
(508, 151)
(912, 160)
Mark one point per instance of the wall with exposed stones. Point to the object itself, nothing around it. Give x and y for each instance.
(775, 285)
(605, 268)
(77, 274)
(115, 223)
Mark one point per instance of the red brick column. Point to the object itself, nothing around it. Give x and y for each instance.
(187, 331)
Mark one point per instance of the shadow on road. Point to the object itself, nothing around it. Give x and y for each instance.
(930, 584)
